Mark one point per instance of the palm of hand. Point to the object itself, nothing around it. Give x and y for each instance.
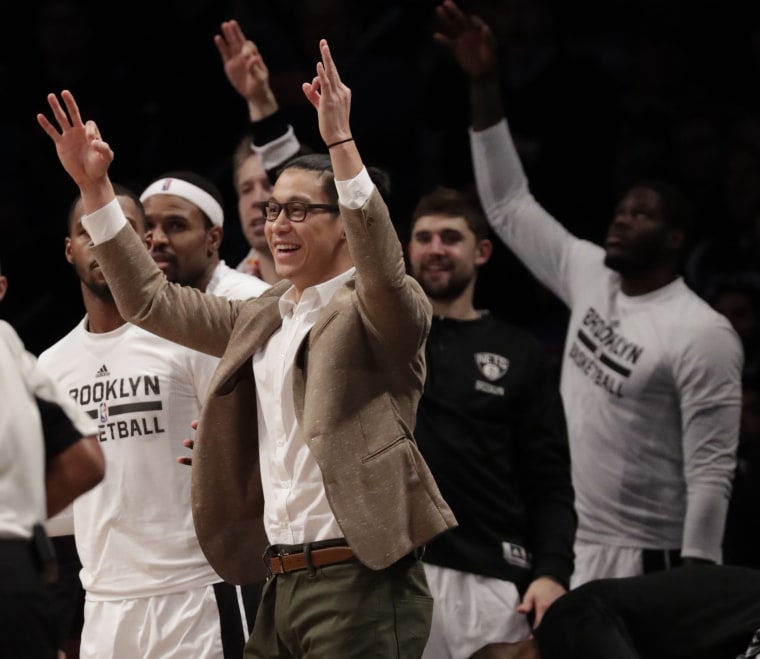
(474, 52)
(79, 156)
(239, 76)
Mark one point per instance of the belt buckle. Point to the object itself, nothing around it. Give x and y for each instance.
(274, 561)
(269, 558)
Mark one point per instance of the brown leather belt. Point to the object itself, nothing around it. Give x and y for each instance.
(283, 563)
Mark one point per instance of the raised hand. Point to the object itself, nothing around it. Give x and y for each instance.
(246, 70)
(81, 150)
(469, 38)
(331, 97)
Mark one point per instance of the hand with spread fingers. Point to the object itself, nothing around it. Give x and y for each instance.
(81, 150)
(469, 38)
(331, 98)
(246, 70)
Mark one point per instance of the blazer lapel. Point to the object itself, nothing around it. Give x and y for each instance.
(258, 320)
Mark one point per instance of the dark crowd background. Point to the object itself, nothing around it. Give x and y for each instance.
(598, 92)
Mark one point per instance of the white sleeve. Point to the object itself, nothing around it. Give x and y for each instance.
(559, 260)
(105, 223)
(354, 192)
(62, 523)
(708, 377)
(275, 153)
(41, 385)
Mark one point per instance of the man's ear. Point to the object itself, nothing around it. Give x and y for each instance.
(483, 252)
(214, 239)
(3, 286)
(67, 250)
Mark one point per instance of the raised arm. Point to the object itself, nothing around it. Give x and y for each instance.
(555, 257)
(332, 100)
(246, 70)
(181, 314)
(394, 307)
(82, 152)
(472, 43)
(273, 138)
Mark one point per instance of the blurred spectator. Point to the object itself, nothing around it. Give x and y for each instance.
(738, 298)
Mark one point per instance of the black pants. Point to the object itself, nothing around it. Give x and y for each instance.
(27, 625)
(696, 612)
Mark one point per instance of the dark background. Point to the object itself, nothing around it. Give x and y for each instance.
(597, 92)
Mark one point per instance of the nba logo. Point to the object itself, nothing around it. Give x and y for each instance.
(103, 412)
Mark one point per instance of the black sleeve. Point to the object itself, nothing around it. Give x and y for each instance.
(58, 430)
(545, 476)
(269, 128)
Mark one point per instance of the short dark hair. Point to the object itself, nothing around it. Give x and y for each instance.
(120, 191)
(321, 163)
(450, 202)
(676, 208)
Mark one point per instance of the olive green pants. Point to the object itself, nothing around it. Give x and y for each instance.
(344, 611)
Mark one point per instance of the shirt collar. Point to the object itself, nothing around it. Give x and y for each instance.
(315, 297)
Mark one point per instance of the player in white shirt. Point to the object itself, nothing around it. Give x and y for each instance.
(185, 219)
(651, 375)
(150, 591)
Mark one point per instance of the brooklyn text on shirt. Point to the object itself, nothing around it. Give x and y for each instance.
(604, 355)
(124, 407)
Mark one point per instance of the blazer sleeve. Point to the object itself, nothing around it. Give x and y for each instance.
(182, 314)
(392, 304)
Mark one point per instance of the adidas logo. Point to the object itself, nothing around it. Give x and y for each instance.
(102, 372)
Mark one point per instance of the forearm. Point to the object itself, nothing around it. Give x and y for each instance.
(709, 453)
(96, 194)
(485, 102)
(73, 472)
(705, 522)
(552, 538)
(274, 140)
(262, 106)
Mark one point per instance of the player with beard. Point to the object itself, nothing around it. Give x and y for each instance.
(651, 375)
(185, 229)
(149, 588)
(491, 427)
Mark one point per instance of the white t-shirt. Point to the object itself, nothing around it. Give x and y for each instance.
(234, 285)
(22, 444)
(134, 531)
(651, 384)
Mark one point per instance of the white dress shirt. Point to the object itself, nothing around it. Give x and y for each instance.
(296, 509)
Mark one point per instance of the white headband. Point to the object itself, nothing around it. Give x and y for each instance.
(192, 193)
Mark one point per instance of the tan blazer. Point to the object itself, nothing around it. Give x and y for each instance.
(358, 378)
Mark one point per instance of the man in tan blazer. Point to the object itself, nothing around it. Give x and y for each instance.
(305, 449)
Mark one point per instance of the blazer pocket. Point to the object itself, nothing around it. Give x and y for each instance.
(398, 443)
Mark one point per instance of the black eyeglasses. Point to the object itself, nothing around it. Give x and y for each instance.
(295, 211)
